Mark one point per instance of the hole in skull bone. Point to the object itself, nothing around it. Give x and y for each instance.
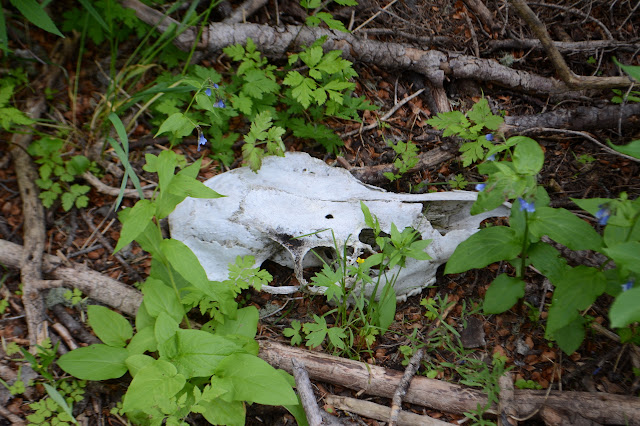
(329, 216)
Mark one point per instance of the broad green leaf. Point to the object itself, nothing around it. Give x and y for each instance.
(137, 220)
(569, 337)
(137, 362)
(254, 380)
(153, 386)
(625, 309)
(199, 352)
(632, 70)
(158, 298)
(245, 323)
(575, 291)
(166, 165)
(110, 327)
(483, 248)
(165, 328)
(632, 148)
(95, 362)
(502, 294)
(189, 187)
(34, 12)
(178, 124)
(626, 255)
(185, 262)
(528, 157)
(143, 341)
(220, 412)
(387, 308)
(565, 228)
(547, 260)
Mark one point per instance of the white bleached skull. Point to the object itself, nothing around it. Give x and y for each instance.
(280, 213)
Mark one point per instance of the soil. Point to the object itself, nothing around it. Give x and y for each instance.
(574, 168)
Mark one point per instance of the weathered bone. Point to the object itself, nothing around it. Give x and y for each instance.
(296, 203)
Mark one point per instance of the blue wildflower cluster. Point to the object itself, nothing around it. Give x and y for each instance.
(527, 206)
(219, 103)
(603, 214)
(628, 285)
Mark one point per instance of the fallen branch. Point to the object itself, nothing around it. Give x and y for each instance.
(580, 118)
(93, 284)
(435, 65)
(30, 261)
(598, 407)
(315, 416)
(566, 75)
(372, 410)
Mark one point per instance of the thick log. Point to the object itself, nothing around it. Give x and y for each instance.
(598, 407)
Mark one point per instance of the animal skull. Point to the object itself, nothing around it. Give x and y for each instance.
(296, 203)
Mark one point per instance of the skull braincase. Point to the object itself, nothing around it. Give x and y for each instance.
(296, 203)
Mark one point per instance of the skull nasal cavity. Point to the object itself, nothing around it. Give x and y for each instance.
(329, 216)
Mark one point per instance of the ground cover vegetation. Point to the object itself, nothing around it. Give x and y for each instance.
(119, 110)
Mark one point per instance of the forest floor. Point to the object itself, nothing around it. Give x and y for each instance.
(575, 167)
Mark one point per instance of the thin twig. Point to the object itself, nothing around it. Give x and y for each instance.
(384, 117)
(584, 135)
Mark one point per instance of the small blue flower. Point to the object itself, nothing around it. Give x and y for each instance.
(201, 141)
(207, 91)
(525, 206)
(480, 187)
(628, 285)
(603, 214)
(492, 157)
(215, 86)
(219, 104)
(489, 137)
(597, 370)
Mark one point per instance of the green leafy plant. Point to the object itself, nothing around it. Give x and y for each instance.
(57, 174)
(470, 127)
(295, 100)
(477, 373)
(458, 182)
(317, 16)
(178, 369)
(10, 116)
(521, 244)
(358, 319)
(407, 158)
(57, 408)
(527, 384)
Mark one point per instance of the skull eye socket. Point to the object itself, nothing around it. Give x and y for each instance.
(329, 216)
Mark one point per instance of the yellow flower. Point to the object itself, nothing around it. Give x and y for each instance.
(360, 260)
